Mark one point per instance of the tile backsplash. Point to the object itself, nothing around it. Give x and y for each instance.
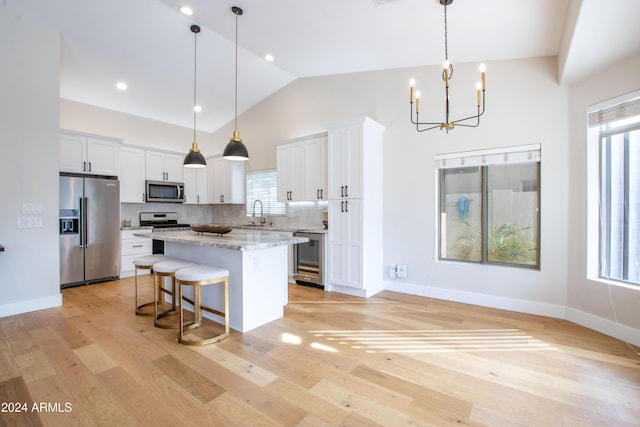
(299, 215)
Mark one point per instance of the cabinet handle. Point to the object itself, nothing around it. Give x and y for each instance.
(341, 206)
(89, 166)
(318, 194)
(342, 191)
(346, 191)
(143, 197)
(84, 166)
(346, 206)
(136, 246)
(322, 193)
(198, 197)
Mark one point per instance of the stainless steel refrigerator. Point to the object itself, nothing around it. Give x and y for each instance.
(89, 230)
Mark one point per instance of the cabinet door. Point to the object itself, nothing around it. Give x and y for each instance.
(337, 163)
(195, 185)
(315, 161)
(174, 167)
(283, 168)
(73, 153)
(220, 181)
(154, 165)
(102, 156)
(132, 175)
(290, 163)
(345, 243)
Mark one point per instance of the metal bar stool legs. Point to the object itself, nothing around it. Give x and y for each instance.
(199, 276)
(162, 270)
(145, 263)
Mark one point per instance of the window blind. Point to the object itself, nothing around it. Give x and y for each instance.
(613, 113)
(263, 186)
(494, 156)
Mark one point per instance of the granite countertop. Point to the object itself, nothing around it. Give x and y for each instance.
(275, 228)
(239, 240)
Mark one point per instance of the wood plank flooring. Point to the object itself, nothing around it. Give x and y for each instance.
(391, 360)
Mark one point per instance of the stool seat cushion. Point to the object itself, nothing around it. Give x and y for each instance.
(171, 265)
(201, 272)
(150, 260)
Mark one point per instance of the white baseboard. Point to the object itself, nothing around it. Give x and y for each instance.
(605, 326)
(30, 305)
(346, 290)
(513, 304)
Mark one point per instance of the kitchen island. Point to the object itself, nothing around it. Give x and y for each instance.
(258, 275)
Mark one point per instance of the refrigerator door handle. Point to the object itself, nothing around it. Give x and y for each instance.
(86, 222)
(81, 223)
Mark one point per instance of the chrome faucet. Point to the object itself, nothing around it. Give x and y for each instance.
(262, 218)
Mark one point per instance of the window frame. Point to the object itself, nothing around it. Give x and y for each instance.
(484, 159)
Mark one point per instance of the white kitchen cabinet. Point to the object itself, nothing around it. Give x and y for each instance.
(315, 168)
(196, 185)
(88, 154)
(132, 174)
(164, 166)
(302, 169)
(290, 168)
(226, 181)
(133, 247)
(355, 208)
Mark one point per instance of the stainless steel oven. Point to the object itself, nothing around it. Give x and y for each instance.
(308, 260)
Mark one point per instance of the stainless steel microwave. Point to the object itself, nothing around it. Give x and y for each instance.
(164, 191)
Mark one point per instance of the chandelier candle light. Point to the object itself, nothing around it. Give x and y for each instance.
(447, 74)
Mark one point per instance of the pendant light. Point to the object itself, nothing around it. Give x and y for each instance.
(194, 158)
(235, 149)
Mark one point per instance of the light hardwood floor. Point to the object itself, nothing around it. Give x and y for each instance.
(391, 360)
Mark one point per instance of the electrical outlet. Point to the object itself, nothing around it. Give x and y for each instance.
(392, 271)
(401, 271)
(29, 222)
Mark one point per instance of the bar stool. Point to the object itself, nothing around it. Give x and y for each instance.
(145, 262)
(199, 276)
(161, 270)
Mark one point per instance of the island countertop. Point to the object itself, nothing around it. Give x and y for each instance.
(239, 240)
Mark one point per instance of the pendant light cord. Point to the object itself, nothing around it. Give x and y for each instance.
(236, 86)
(195, 68)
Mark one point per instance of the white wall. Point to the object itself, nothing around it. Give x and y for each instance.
(29, 88)
(130, 129)
(595, 303)
(524, 105)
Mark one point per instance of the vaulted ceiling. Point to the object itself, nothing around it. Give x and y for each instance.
(148, 44)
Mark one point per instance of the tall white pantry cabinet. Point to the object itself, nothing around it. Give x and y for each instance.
(355, 207)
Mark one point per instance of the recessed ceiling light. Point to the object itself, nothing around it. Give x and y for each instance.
(269, 57)
(186, 10)
(197, 108)
(121, 86)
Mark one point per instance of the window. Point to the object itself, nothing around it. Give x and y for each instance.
(263, 186)
(619, 178)
(489, 206)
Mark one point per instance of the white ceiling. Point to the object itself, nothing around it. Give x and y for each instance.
(148, 44)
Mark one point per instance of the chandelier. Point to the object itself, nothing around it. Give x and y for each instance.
(447, 75)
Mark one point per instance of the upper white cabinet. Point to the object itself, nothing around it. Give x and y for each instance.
(163, 166)
(196, 185)
(226, 181)
(302, 169)
(80, 153)
(315, 168)
(290, 169)
(355, 207)
(132, 174)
